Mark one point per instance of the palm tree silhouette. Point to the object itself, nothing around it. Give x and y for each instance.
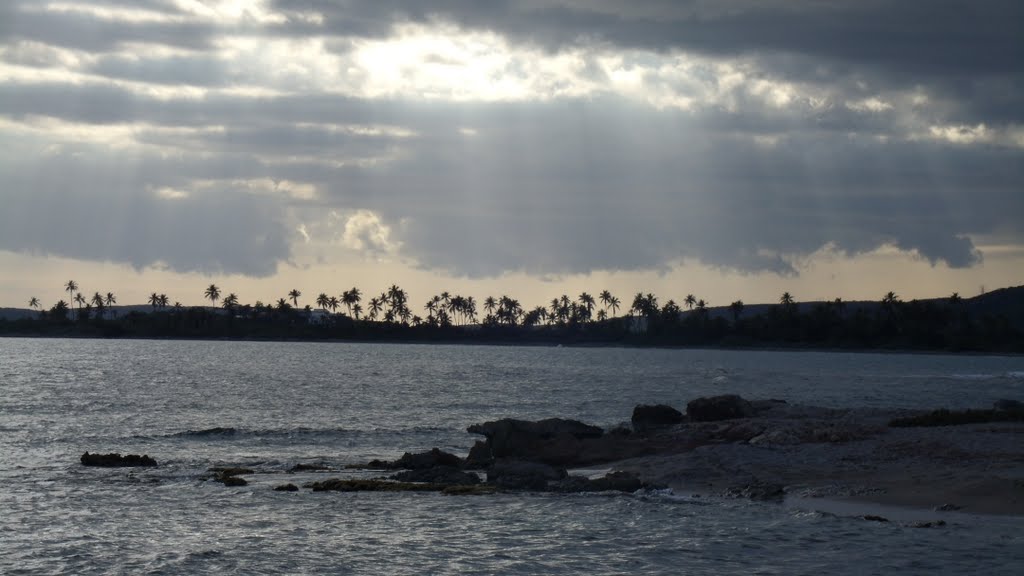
(97, 301)
(690, 301)
(333, 303)
(71, 287)
(490, 304)
(154, 300)
(164, 300)
(110, 300)
(357, 309)
(33, 302)
(212, 293)
(294, 295)
(614, 304)
(323, 301)
(80, 300)
(230, 301)
(605, 297)
(786, 299)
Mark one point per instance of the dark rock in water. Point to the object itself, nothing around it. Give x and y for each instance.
(479, 457)
(614, 482)
(233, 481)
(872, 518)
(374, 465)
(646, 418)
(424, 460)
(309, 468)
(714, 408)
(474, 490)
(286, 488)
(372, 485)
(234, 471)
(448, 475)
(115, 460)
(554, 441)
(932, 524)
(947, 508)
(1005, 404)
(216, 431)
(522, 475)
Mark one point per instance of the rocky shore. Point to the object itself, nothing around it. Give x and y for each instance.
(723, 446)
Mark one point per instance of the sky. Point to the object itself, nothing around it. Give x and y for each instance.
(730, 149)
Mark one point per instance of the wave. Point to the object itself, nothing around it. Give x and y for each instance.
(230, 433)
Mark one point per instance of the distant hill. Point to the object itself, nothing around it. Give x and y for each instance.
(1006, 302)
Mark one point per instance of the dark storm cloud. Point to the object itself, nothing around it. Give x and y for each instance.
(550, 187)
(923, 36)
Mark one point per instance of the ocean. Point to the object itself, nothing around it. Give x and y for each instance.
(268, 406)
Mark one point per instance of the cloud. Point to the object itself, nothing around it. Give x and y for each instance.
(482, 138)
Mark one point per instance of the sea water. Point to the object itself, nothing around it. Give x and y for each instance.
(268, 406)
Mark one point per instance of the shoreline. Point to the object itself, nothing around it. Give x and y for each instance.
(538, 344)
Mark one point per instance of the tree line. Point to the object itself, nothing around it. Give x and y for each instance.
(941, 324)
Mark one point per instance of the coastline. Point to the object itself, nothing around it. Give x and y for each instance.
(852, 457)
(535, 344)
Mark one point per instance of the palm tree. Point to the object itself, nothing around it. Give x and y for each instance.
(587, 301)
(59, 310)
(786, 299)
(605, 297)
(154, 300)
(333, 303)
(736, 308)
(323, 301)
(212, 293)
(357, 309)
(690, 301)
(294, 295)
(490, 304)
(80, 300)
(375, 307)
(71, 287)
(110, 300)
(164, 300)
(230, 301)
(614, 303)
(33, 302)
(97, 301)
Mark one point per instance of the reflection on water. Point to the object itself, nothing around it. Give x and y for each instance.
(267, 406)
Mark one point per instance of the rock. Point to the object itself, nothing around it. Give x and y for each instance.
(424, 460)
(309, 468)
(286, 488)
(714, 408)
(522, 475)
(233, 481)
(947, 508)
(647, 418)
(372, 485)
(613, 482)
(448, 475)
(932, 524)
(872, 518)
(115, 460)
(479, 457)
(554, 441)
